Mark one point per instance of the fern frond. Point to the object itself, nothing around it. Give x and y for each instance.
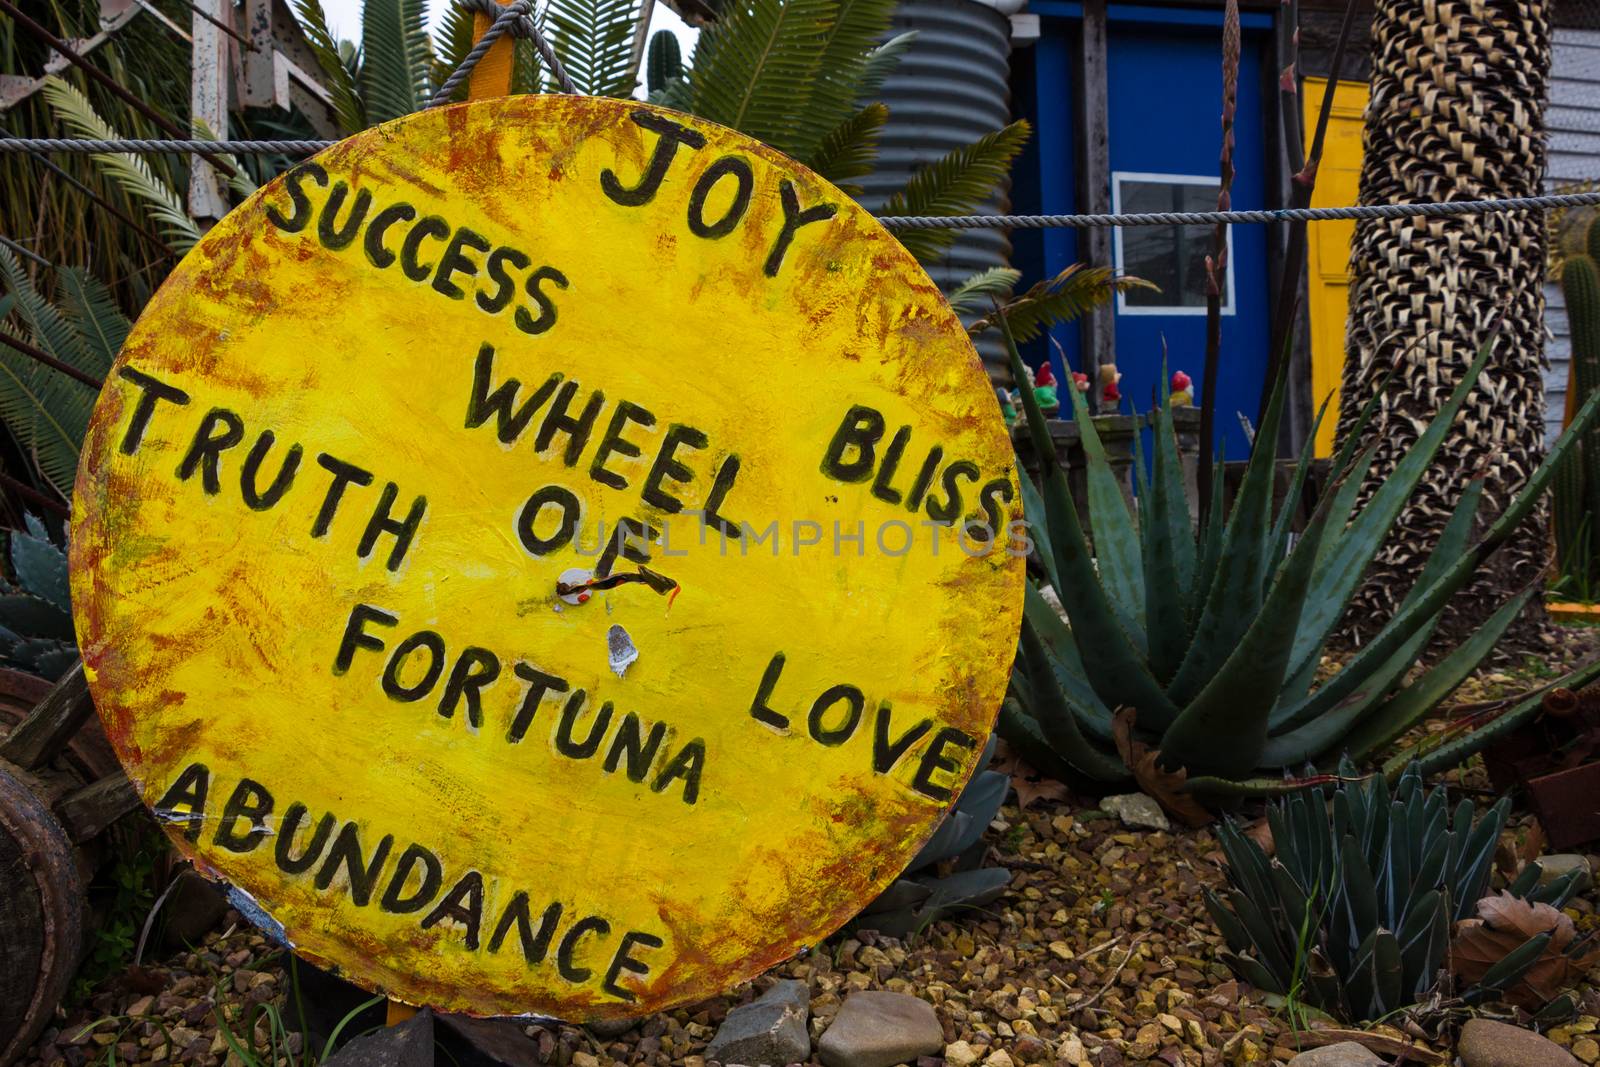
(956, 184)
(527, 70)
(991, 282)
(851, 148)
(882, 60)
(1060, 299)
(47, 412)
(851, 37)
(38, 317)
(93, 313)
(754, 67)
(331, 58)
(130, 171)
(594, 39)
(396, 57)
(451, 43)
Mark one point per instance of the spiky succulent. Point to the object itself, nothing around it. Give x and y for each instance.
(36, 606)
(948, 873)
(1354, 912)
(1212, 632)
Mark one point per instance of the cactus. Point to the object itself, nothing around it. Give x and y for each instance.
(665, 62)
(35, 606)
(1577, 502)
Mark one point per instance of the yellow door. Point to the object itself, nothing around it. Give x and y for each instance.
(1328, 243)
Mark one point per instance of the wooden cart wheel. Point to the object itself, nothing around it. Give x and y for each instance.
(59, 788)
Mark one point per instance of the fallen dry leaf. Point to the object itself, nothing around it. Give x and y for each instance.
(1165, 786)
(1504, 924)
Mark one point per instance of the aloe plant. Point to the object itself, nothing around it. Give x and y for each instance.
(1213, 635)
(36, 606)
(1354, 913)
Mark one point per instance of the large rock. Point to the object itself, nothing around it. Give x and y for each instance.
(408, 1045)
(1560, 864)
(1490, 1044)
(876, 1029)
(194, 907)
(767, 1032)
(1344, 1054)
(1137, 810)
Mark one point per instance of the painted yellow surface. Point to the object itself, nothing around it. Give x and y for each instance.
(1328, 243)
(398, 739)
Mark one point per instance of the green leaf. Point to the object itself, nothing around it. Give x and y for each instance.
(1120, 675)
(850, 150)
(852, 34)
(130, 171)
(1512, 967)
(594, 39)
(40, 569)
(754, 67)
(94, 314)
(396, 54)
(1033, 513)
(956, 184)
(1057, 719)
(1238, 587)
(453, 40)
(1065, 297)
(1067, 665)
(972, 293)
(347, 105)
(882, 60)
(33, 616)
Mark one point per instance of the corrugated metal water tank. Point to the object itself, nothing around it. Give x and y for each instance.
(950, 88)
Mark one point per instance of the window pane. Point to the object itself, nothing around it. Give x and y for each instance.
(1173, 257)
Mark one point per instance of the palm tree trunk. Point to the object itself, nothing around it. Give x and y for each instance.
(1456, 113)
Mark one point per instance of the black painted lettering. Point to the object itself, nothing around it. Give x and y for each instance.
(151, 392)
(483, 402)
(934, 760)
(578, 429)
(689, 764)
(219, 431)
(793, 219)
(644, 190)
(990, 498)
(455, 261)
(565, 743)
(534, 286)
(881, 487)
(395, 899)
(559, 497)
(356, 636)
(566, 955)
(505, 287)
(329, 232)
(721, 486)
(383, 522)
(919, 488)
(949, 509)
(434, 646)
(612, 441)
(885, 752)
(623, 961)
(769, 681)
(539, 683)
(463, 904)
(294, 185)
(640, 752)
(283, 849)
(249, 801)
(854, 703)
(188, 790)
(426, 227)
(744, 183)
(254, 498)
(360, 873)
(534, 946)
(378, 253)
(476, 668)
(667, 466)
(343, 474)
(861, 430)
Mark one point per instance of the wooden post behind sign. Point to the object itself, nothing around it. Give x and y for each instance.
(492, 76)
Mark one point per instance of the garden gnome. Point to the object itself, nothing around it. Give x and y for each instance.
(1182, 390)
(1044, 389)
(1109, 377)
(1007, 410)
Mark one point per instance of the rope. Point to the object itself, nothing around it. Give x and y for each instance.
(1441, 209)
(508, 18)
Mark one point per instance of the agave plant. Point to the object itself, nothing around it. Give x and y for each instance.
(36, 607)
(948, 873)
(1213, 635)
(1354, 913)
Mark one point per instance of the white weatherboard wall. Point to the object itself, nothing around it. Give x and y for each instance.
(1574, 121)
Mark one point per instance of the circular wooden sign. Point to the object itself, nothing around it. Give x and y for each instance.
(536, 553)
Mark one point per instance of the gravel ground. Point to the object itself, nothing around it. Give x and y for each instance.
(1100, 953)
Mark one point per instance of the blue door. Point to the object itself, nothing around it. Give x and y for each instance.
(1165, 107)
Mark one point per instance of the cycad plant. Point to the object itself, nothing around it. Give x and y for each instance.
(1354, 913)
(45, 411)
(1212, 637)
